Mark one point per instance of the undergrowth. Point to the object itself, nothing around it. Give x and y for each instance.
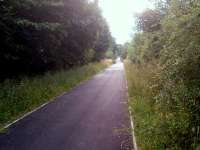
(159, 123)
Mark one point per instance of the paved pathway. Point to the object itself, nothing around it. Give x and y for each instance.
(92, 116)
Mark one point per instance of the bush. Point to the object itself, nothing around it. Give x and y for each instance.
(171, 95)
(159, 123)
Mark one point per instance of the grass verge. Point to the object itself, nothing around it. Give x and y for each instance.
(19, 97)
(156, 126)
(140, 95)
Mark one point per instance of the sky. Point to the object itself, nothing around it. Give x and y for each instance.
(120, 16)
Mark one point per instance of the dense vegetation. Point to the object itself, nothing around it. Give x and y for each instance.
(163, 74)
(42, 35)
(47, 47)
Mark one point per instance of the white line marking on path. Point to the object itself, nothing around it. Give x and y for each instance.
(25, 115)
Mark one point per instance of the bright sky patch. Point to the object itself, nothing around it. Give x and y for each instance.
(120, 16)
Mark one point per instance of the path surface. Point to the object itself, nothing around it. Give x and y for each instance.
(92, 116)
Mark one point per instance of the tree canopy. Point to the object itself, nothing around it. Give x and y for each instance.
(42, 35)
(168, 38)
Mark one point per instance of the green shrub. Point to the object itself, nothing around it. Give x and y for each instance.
(159, 123)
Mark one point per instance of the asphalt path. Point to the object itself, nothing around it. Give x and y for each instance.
(92, 116)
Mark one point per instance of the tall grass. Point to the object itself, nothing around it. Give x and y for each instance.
(19, 97)
(158, 126)
(140, 95)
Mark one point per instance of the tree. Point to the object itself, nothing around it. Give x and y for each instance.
(149, 20)
(168, 39)
(39, 36)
